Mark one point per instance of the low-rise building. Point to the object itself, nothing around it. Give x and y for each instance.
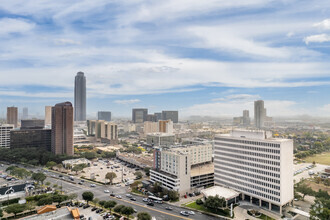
(5, 135)
(106, 132)
(160, 139)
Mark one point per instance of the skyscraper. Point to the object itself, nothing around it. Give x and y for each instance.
(25, 113)
(12, 116)
(104, 115)
(80, 97)
(62, 129)
(246, 118)
(171, 115)
(139, 115)
(259, 113)
(48, 115)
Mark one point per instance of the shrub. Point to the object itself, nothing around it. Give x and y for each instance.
(199, 202)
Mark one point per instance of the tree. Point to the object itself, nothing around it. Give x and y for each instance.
(110, 176)
(47, 183)
(1, 213)
(79, 167)
(19, 172)
(96, 201)
(88, 196)
(147, 171)
(118, 208)
(173, 195)
(50, 164)
(143, 216)
(304, 189)
(72, 196)
(15, 208)
(59, 198)
(39, 177)
(102, 202)
(127, 210)
(214, 202)
(110, 204)
(45, 201)
(138, 175)
(59, 166)
(320, 209)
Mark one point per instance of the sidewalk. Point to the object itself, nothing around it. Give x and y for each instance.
(186, 200)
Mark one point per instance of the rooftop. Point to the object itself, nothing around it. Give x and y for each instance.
(220, 191)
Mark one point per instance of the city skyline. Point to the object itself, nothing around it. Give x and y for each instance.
(207, 59)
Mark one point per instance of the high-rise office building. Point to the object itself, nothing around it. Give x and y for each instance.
(171, 115)
(256, 165)
(32, 124)
(25, 113)
(62, 129)
(246, 118)
(80, 97)
(139, 115)
(5, 135)
(158, 116)
(104, 115)
(12, 115)
(48, 115)
(259, 113)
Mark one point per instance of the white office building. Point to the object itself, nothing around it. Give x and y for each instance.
(257, 165)
(5, 135)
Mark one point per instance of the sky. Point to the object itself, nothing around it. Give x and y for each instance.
(208, 58)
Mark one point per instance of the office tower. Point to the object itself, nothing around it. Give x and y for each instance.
(31, 134)
(256, 165)
(158, 116)
(246, 118)
(151, 117)
(104, 115)
(166, 126)
(80, 97)
(25, 113)
(48, 115)
(5, 135)
(171, 115)
(259, 113)
(62, 129)
(139, 115)
(12, 114)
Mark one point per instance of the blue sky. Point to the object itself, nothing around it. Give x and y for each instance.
(199, 57)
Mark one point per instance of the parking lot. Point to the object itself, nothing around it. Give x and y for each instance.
(302, 170)
(99, 169)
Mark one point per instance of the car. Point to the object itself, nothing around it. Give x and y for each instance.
(191, 212)
(118, 197)
(112, 194)
(150, 203)
(101, 168)
(81, 204)
(129, 195)
(133, 199)
(86, 206)
(94, 208)
(106, 191)
(93, 185)
(169, 208)
(135, 211)
(99, 210)
(145, 200)
(81, 216)
(80, 183)
(118, 185)
(184, 213)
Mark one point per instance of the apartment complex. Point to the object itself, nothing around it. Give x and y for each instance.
(106, 132)
(12, 116)
(257, 165)
(62, 129)
(160, 126)
(183, 168)
(5, 135)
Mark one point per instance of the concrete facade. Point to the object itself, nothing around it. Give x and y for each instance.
(5, 135)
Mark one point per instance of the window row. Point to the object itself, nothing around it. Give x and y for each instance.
(267, 150)
(269, 156)
(258, 143)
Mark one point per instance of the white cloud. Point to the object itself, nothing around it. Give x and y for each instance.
(325, 24)
(10, 25)
(128, 101)
(320, 38)
(66, 42)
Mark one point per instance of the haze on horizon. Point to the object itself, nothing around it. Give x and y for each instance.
(208, 59)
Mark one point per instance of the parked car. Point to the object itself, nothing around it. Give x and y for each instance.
(94, 208)
(86, 206)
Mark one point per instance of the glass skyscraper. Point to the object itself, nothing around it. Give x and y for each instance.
(80, 97)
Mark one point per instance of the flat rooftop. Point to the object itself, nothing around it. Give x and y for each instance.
(198, 170)
(220, 191)
(61, 214)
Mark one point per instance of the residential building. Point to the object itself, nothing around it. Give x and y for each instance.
(171, 115)
(5, 135)
(166, 126)
(62, 129)
(139, 115)
(160, 139)
(25, 114)
(150, 127)
(106, 132)
(258, 166)
(104, 115)
(48, 115)
(12, 116)
(80, 97)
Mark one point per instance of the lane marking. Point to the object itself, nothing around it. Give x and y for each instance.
(156, 210)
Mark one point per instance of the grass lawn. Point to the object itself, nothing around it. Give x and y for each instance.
(323, 158)
(193, 205)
